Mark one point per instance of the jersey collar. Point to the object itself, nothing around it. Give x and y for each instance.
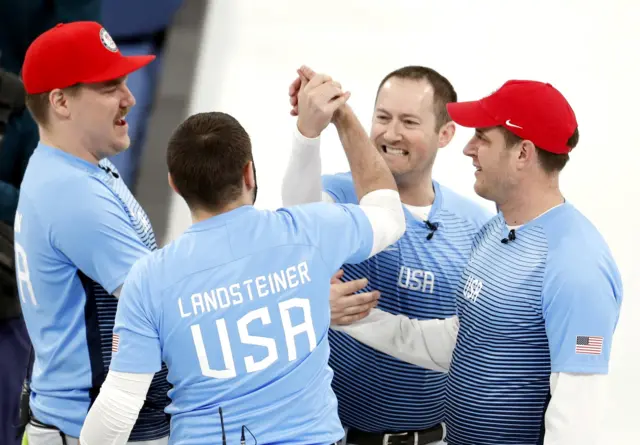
(435, 207)
(222, 219)
(540, 219)
(67, 158)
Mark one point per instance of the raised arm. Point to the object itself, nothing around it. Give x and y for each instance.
(314, 100)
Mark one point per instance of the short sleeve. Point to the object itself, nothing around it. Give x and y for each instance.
(340, 187)
(581, 306)
(95, 233)
(342, 232)
(136, 343)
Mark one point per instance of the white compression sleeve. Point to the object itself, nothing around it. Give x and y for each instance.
(385, 213)
(576, 409)
(302, 181)
(425, 343)
(116, 409)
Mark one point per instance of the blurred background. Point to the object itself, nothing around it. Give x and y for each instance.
(239, 56)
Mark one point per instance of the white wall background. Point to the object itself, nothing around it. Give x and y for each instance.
(588, 49)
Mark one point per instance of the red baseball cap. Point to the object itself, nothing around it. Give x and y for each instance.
(72, 53)
(532, 110)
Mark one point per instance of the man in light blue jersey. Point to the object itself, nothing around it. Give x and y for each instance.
(78, 230)
(540, 297)
(383, 400)
(238, 306)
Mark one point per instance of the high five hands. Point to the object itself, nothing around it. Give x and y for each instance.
(315, 98)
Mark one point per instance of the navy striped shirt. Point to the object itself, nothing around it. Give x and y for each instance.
(526, 307)
(152, 422)
(417, 278)
(78, 232)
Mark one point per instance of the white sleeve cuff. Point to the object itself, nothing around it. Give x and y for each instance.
(386, 215)
(303, 142)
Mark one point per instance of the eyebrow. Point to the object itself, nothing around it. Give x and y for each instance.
(113, 82)
(403, 115)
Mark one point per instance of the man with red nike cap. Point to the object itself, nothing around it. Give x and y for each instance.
(540, 297)
(78, 230)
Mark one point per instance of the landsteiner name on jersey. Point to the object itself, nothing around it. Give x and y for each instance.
(258, 287)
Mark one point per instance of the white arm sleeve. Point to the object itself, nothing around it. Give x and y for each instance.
(385, 213)
(576, 410)
(302, 181)
(425, 343)
(115, 411)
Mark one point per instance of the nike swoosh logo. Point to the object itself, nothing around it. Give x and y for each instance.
(513, 125)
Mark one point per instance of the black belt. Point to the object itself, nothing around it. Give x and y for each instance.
(37, 423)
(422, 437)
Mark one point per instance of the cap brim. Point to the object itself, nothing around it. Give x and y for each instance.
(471, 114)
(126, 65)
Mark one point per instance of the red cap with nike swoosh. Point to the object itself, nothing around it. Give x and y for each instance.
(74, 53)
(535, 111)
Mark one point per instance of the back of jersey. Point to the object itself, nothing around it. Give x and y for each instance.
(241, 307)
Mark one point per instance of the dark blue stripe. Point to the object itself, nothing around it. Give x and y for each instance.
(152, 422)
(94, 341)
(499, 380)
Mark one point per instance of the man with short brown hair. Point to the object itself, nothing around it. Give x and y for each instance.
(383, 400)
(238, 306)
(78, 230)
(540, 297)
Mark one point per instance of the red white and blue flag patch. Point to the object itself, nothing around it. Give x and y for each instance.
(586, 344)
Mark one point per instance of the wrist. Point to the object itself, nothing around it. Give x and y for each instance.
(308, 133)
(341, 115)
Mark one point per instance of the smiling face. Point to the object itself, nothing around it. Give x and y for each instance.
(96, 115)
(404, 127)
(497, 164)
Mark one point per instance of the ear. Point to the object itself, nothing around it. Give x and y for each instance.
(59, 102)
(248, 176)
(446, 133)
(526, 154)
(172, 184)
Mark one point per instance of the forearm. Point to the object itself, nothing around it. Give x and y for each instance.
(425, 343)
(575, 411)
(303, 176)
(368, 168)
(115, 411)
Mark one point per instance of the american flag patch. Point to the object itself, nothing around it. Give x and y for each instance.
(115, 343)
(586, 344)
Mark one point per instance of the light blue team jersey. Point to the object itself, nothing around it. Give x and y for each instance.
(78, 232)
(543, 302)
(238, 308)
(416, 277)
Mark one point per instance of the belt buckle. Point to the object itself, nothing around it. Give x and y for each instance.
(386, 437)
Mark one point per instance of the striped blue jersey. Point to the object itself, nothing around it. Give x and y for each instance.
(545, 301)
(238, 308)
(78, 232)
(416, 277)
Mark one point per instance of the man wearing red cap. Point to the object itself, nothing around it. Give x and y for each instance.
(78, 230)
(540, 297)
